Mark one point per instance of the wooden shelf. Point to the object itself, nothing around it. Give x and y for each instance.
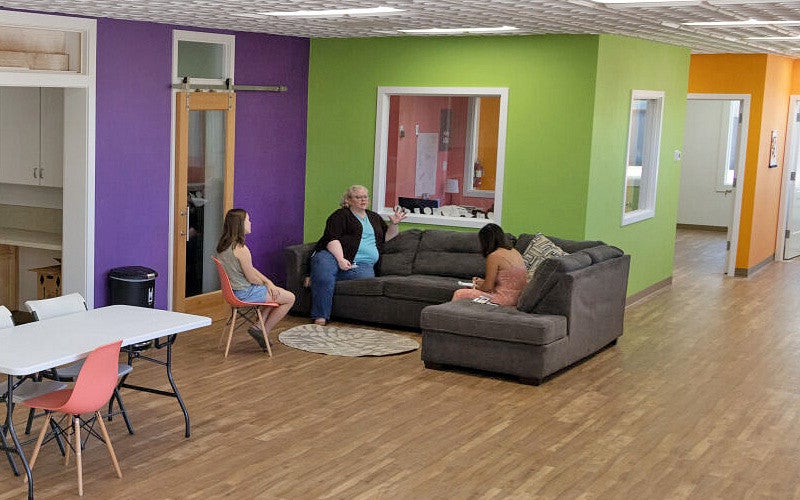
(30, 239)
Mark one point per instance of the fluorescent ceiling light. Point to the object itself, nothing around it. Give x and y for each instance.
(645, 1)
(773, 37)
(450, 31)
(749, 22)
(372, 11)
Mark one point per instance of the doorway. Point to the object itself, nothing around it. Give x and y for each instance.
(204, 148)
(712, 170)
(788, 240)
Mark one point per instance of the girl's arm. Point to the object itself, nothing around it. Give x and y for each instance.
(492, 266)
(252, 274)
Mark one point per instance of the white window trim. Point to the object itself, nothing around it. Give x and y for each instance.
(382, 146)
(473, 129)
(649, 181)
(227, 41)
(733, 123)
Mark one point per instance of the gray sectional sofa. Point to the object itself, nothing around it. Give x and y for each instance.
(417, 269)
(573, 306)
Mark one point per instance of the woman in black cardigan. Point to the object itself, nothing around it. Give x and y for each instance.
(349, 248)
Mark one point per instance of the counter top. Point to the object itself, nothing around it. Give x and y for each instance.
(30, 239)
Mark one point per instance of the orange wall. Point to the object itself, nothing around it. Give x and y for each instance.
(796, 77)
(768, 79)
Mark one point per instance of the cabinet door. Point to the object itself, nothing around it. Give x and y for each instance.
(19, 135)
(52, 120)
(9, 269)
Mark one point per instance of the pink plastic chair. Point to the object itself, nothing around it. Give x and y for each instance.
(93, 387)
(237, 306)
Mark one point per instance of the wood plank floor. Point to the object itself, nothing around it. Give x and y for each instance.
(699, 399)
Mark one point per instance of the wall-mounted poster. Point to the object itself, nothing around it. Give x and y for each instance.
(425, 179)
(773, 150)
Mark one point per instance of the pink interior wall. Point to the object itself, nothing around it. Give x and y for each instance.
(425, 111)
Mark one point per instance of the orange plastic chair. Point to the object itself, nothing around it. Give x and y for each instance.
(93, 387)
(245, 309)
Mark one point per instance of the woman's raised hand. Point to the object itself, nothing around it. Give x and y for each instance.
(396, 217)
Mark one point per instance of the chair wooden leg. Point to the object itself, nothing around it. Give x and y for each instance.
(230, 332)
(225, 329)
(66, 452)
(39, 441)
(77, 426)
(263, 330)
(108, 445)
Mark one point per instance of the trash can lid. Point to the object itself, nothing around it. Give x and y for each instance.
(132, 272)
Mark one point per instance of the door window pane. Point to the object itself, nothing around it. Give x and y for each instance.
(206, 182)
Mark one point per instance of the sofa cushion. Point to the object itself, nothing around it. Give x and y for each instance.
(471, 319)
(398, 253)
(546, 276)
(569, 246)
(449, 253)
(422, 288)
(603, 252)
(364, 287)
(539, 249)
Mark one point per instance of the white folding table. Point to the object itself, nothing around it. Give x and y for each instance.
(42, 345)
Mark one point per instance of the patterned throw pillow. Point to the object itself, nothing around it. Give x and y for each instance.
(539, 249)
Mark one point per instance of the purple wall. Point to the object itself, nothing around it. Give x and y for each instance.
(134, 61)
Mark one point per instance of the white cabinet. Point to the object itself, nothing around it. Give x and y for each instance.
(32, 136)
(51, 167)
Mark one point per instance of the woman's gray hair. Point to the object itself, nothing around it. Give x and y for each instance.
(350, 193)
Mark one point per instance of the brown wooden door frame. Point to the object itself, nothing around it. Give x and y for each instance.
(208, 304)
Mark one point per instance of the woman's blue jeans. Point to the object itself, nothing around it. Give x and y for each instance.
(325, 273)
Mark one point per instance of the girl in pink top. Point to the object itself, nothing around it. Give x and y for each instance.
(505, 270)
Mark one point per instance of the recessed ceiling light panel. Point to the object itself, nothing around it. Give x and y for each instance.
(372, 11)
(749, 22)
(456, 31)
(773, 37)
(664, 2)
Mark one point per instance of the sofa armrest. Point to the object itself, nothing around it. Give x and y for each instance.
(297, 259)
(593, 300)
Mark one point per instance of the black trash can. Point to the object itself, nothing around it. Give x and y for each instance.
(133, 286)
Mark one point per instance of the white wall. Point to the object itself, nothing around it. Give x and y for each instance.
(704, 146)
(30, 258)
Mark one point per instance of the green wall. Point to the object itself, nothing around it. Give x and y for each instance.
(623, 65)
(564, 126)
(550, 81)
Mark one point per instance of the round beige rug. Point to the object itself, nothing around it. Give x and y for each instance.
(346, 341)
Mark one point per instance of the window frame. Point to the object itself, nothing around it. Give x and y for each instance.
(382, 146)
(730, 147)
(228, 43)
(651, 152)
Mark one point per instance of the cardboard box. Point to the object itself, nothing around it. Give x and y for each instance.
(48, 281)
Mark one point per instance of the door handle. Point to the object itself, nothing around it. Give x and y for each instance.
(41, 172)
(186, 215)
(34, 172)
